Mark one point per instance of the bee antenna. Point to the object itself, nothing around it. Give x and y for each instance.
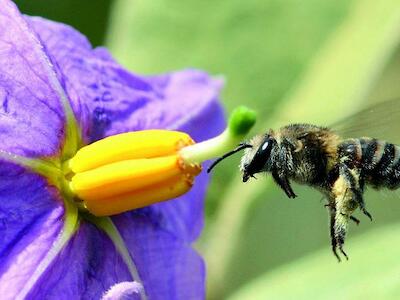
(237, 149)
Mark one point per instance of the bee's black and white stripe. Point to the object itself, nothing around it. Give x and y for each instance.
(379, 161)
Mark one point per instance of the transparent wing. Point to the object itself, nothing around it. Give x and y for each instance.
(380, 120)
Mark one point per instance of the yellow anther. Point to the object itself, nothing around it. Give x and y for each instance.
(131, 170)
(169, 189)
(124, 176)
(126, 146)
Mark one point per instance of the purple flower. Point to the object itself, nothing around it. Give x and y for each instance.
(46, 249)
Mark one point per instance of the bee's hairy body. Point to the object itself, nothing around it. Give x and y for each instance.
(318, 157)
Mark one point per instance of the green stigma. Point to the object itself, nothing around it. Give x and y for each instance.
(241, 121)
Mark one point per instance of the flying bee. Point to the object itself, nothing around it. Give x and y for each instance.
(337, 166)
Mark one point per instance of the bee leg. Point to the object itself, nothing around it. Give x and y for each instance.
(340, 230)
(343, 202)
(355, 220)
(284, 184)
(365, 212)
(360, 200)
(332, 213)
(353, 178)
(358, 197)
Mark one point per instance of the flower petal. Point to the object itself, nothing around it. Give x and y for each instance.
(99, 89)
(30, 221)
(169, 269)
(90, 266)
(108, 100)
(31, 111)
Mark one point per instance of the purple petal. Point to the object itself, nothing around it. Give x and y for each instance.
(30, 221)
(99, 89)
(108, 100)
(168, 268)
(31, 115)
(89, 266)
(184, 100)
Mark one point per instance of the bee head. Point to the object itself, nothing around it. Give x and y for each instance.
(256, 157)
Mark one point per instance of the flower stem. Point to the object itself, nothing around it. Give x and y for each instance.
(240, 122)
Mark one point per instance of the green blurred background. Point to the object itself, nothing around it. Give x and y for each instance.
(291, 60)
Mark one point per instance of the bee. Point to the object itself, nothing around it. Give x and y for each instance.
(339, 167)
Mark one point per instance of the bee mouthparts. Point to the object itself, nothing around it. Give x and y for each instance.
(245, 177)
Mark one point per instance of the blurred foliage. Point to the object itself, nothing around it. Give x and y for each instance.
(260, 46)
(372, 272)
(89, 19)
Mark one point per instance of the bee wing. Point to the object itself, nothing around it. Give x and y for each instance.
(380, 120)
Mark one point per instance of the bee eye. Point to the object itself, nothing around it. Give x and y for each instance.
(261, 157)
(265, 149)
(265, 146)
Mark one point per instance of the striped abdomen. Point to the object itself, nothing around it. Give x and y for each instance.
(378, 160)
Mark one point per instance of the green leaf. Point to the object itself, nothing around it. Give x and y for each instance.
(372, 272)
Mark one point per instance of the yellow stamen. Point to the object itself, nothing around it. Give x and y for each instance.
(130, 145)
(169, 189)
(131, 170)
(124, 176)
